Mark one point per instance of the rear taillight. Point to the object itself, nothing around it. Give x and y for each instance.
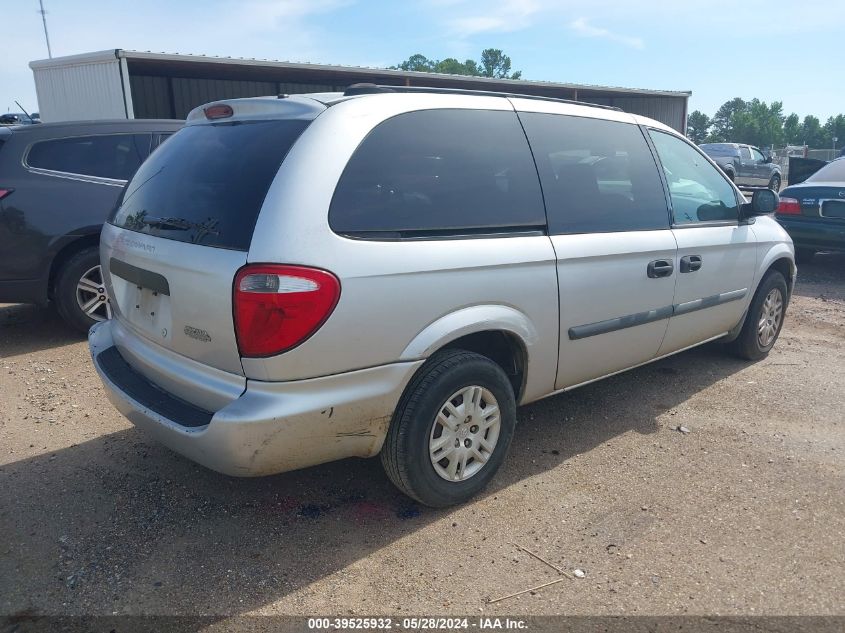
(789, 206)
(278, 307)
(5, 192)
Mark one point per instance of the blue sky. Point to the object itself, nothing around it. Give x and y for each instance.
(771, 49)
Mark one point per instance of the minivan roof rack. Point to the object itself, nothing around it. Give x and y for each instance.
(367, 89)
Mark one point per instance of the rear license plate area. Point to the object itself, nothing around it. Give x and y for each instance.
(142, 298)
(833, 209)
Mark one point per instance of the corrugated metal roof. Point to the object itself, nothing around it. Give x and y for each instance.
(385, 72)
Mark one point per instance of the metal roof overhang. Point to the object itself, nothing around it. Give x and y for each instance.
(200, 66)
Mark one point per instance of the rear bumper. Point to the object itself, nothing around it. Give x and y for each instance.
(814, 233)
(271, 427)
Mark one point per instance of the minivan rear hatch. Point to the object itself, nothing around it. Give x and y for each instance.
(184, 224)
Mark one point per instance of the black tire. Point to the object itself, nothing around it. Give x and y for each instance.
(731, 176)
(64, 293)
(775, 182)
(804, 255)
(405, 455)
(748, 344)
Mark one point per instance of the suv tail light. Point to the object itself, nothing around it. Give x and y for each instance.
(278, 307)
(789, 206)
(5, 192)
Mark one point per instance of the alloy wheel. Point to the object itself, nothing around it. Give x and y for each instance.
(91, 295)
(464, 433)
(770, 318)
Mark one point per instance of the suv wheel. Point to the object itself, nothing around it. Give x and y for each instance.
(451, 429)
(765, 319)
(774, 183)
(80, 294)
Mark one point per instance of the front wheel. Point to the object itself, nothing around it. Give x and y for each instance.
(451, 429)
(774, 183)
(80, 293)
(764, 319)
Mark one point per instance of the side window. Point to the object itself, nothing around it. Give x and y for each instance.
(757, 155)
(598, 176)
(439, 172)
(114, 156)
(744, 153)
(699, 191)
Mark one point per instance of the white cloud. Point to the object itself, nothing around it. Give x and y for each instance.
(497, 17)
(582, 27)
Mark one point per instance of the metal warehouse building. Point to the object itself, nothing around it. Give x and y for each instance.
(118, 84)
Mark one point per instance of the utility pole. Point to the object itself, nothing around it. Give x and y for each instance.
(44, 20)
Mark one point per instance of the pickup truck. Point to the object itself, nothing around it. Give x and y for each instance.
(745, 164)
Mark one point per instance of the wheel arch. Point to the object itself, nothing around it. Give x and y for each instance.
(502, 333)
(68, 250)
(780, 259)
(783, 261)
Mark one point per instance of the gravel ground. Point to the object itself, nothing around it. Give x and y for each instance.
(743, 514)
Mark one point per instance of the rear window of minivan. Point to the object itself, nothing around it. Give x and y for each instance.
(207, 183)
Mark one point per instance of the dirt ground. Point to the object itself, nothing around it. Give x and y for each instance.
(742, 515)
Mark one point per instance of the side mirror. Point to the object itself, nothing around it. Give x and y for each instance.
(763, 202)
(767, 159)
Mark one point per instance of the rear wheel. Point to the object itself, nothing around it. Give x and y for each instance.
(80, 293)
(774, 183)
(451, 430)
(764, 320)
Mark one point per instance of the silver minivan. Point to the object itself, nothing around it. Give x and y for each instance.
(391, 272)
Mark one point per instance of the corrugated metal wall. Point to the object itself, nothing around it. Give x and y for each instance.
(80, 91)
(175, 97)
(668, 110)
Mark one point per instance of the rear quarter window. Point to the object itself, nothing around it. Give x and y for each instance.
(112, 156)
(206, 184)
(440, 172)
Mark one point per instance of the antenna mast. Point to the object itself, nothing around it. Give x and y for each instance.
(44, 20)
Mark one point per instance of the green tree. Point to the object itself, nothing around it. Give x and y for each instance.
(698, 124)
(811, 132)
(834, 127)
(494, 63)
(417, 63)
(452, 66)
(723, 122)
(792, 130)
(754, 122)
(769, 122)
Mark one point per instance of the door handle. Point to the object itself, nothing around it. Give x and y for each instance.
(690, 263)
(660, 268)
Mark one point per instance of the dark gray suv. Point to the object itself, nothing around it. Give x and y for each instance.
(58, 183)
